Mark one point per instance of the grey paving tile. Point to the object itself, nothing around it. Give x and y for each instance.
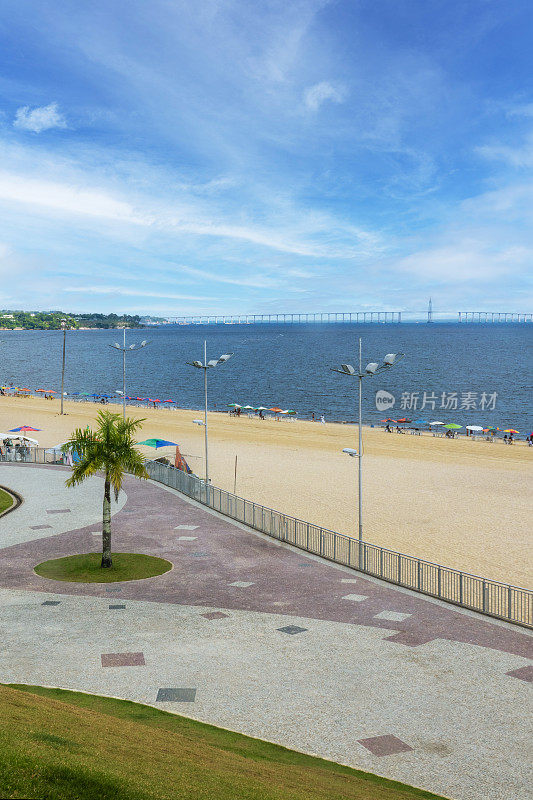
(292, 629)
(113, 607)
(51, 603)
(187, 538)
(177, 695)
(200, 554)
(185, 527)
(392, 616)
(348, 580)
(113, 589)
(39, 527)
(241, 584)
(355, 598)
(58, 510)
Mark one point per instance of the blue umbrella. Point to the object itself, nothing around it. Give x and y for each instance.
(158, 443)
(420, 422)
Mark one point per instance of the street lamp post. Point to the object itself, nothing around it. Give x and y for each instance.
(373, 368)
(125, 349)
(64, 329)
(205, 366)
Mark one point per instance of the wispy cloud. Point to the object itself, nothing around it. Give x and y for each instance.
(39, 119)
(316, 95)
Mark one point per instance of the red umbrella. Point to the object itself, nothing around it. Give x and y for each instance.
(403, 419)
(168, 401)
(390, 420)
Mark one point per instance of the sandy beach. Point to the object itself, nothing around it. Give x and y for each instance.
(462, 503)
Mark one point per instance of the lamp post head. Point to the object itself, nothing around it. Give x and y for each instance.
(391, 358)
(197, 364)
(224, 357)
(371, 368)
(350, 451)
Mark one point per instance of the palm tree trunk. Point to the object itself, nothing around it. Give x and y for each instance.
(106, 528)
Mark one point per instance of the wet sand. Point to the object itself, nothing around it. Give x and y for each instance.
(462, 503)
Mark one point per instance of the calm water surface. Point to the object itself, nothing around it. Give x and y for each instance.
(289, 366)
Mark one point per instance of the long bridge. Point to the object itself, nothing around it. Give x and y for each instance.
(382, 317)
(326, 316)
(493, 316)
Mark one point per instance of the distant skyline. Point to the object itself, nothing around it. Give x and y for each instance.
(169, 159)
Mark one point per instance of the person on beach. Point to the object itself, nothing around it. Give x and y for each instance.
(322, 419)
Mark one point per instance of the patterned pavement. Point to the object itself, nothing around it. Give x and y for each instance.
(250, 634)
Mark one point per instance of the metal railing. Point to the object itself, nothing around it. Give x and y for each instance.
(493, 598)
(490, 597)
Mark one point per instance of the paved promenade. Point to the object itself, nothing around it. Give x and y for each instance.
(250, 634)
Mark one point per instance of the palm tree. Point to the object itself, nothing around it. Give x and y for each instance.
(110, 449)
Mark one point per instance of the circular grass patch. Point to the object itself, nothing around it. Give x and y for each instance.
(85, 568)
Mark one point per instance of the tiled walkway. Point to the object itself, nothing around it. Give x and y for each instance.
(255, 636)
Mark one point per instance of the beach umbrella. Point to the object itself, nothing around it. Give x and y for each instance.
(403, 420)
(249, 408)
(158, 443)
(261, 408)
(436, 423)
(235, 405)
(24, 428)
(453, 426)
(474, 428)
(420, 422)
(291, 411)
(275, 409)
(511, 430)
(168, 401)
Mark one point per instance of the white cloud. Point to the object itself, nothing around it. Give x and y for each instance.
(259, 283)
(320, 92)
(39, 119)
(121, 291)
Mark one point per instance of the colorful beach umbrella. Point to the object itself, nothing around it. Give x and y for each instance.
(235, 405)
(420, 422)
(453, 426)
(156, 443)
(511, 430)
(24, 428)
(403, 420)
(276, 409)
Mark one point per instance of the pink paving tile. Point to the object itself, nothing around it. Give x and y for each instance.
(214, 615)
(123, 659)
(524, 673)
(386, 745)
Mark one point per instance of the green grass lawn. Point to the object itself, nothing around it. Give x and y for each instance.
(6, 501)
(60, 745)
(85, 568)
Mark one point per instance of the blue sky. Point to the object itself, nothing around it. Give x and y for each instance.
(170, 157)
